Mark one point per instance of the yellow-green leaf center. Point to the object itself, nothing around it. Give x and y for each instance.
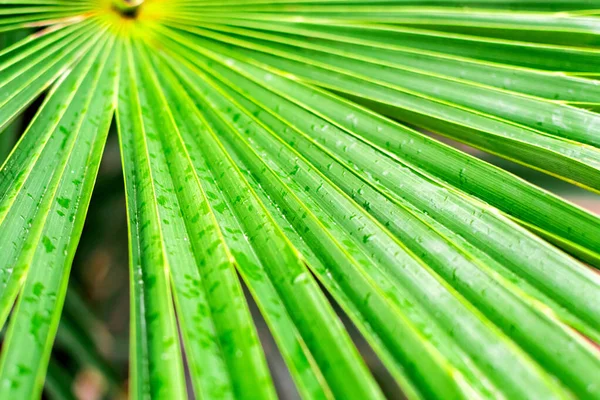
(128, 8)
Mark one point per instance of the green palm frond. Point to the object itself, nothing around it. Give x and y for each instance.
(280, 150)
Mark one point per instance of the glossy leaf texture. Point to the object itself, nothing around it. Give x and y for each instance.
(278, 152)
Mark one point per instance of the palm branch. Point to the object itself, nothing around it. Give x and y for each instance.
(284, 147)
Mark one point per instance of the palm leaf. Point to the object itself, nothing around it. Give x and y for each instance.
(271, 155)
